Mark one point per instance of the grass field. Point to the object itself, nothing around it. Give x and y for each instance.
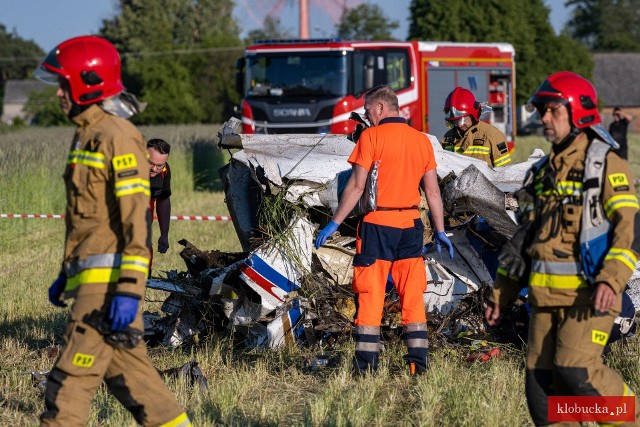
(245, 387)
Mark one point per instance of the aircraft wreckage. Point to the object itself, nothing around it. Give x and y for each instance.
(279, 190)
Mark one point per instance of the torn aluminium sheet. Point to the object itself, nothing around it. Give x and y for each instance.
(261, 292)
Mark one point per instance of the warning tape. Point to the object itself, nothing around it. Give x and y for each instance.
(30, 216)
(173, 218)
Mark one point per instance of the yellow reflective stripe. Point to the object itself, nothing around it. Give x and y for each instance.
(135, 263)
(126, 187)
(448, 147)
(181, 420)
(501, 161)
(88, 158)
(627, 390)
(504, 273)
(93, 275)
(557, 281)
(621, 201)
(477, 149)
(569, 188)
(563, 188)
(625, 256)
(459, 150)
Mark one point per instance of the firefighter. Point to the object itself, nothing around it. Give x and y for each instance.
(468, 134)
(106, 255)
(389, 239)
(576, 248)
(474, 138)
(160, 181)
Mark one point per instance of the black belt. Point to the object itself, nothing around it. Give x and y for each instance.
(383, 208)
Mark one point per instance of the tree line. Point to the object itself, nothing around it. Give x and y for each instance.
(179, 55)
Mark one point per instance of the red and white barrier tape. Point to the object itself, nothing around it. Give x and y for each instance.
(30, 216)
(173, 218)
(198, 218)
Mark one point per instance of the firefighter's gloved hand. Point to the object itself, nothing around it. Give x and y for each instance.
(325, 233)
(123, 311)
(442, 239)
(511, 259)
(56, 289)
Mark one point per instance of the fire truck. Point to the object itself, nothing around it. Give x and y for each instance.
(313, 86)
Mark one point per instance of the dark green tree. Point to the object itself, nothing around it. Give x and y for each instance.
(523, 23)
(179, 56)
(605, 25)
(365, 22)
(44, 108)
(18, 58)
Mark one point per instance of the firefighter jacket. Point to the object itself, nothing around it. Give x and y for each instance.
(107, 216)
(481, 141)
(556, 276)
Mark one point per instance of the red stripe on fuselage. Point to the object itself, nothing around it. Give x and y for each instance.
(259, 280)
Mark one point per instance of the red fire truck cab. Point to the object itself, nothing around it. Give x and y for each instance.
(312, 86)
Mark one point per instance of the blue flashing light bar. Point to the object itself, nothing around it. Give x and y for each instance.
(288, 41)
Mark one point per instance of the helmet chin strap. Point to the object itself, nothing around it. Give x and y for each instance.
(76, 109)
(560, 147)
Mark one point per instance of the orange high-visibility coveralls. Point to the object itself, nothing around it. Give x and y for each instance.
(389, 240)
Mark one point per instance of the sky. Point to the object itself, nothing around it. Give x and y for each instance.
(49, 22)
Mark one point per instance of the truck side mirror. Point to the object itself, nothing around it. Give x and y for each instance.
(368, 68)
(240, 63)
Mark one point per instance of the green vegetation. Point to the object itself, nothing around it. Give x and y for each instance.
(603, 25)
(245, 387)
(523, 23)
(179, 57)
(365, 22)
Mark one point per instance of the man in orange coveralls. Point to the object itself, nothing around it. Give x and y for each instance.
(389, 239)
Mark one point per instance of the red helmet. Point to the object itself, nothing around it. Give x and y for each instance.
(461, 103)
(90, 64)
(572, 90)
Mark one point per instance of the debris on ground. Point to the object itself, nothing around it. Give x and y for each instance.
(189, 371)
(279, 189)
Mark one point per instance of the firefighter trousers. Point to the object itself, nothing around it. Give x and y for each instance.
(564, 358)
(86, 360)
(381, 250)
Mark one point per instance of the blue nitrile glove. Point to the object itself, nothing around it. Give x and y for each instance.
(442, 239)
(324, 234)
(56, 289)
(123, 311)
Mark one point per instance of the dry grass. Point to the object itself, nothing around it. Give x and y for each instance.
(245, 387)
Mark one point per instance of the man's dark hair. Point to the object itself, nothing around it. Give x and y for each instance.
(160, 145)
(616, 109)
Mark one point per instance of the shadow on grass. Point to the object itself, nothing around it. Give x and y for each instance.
(26, 329)
(207, 159)
(236, 418)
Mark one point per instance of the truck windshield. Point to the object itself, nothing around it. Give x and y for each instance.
(321, 74)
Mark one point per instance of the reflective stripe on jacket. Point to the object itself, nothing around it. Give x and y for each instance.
(481, 141)
(107, 217)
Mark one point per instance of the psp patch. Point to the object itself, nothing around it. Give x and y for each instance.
(83, 360)
(619, 181)
(599, 337)
(125, 161)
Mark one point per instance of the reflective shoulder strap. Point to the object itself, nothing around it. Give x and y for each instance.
(594, 166)
(595, 227)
